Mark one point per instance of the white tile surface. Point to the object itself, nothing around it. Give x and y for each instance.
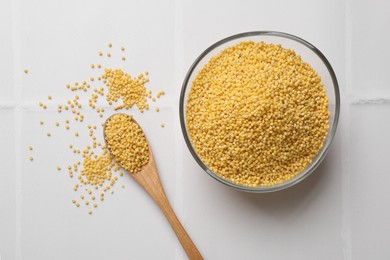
(369, 48)
(7, 185)
(369, 175)
(120, 226)
(59, 44)
(6, 53)
(337, 213)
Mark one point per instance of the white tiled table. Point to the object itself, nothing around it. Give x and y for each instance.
(340, 212)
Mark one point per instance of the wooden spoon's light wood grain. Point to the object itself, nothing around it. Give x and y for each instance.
(149, 180)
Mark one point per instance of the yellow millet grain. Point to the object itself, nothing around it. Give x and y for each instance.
(127, 142)
(131, 91)
(257, 114)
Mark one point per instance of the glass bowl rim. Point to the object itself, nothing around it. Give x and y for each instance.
(300, 176)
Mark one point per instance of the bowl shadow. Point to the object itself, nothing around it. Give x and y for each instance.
(288, 201)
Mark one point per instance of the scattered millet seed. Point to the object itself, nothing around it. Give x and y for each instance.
(160, 93)
(87, 202)
(123, 58)
(120, 88)
(30, 148)
(90, 212)
(110, 44)
(25, 71)
(94, 205)
(58, 168)
(157, 109)
(122, 48)
(96, 171)
(162, 125)
(74, 201)
(77, 204)
(127, 142)
(257, 114)
(31, 158)
(131, 91)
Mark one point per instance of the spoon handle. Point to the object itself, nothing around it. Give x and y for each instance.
(185, 240)
(150, 181)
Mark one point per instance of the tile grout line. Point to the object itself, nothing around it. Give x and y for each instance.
(17, 72)
(346, 191)
(178, 71)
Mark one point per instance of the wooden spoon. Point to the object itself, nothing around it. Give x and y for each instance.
(149, 180)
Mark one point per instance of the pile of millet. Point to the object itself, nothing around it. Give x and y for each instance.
(126, 142)
(257, 114)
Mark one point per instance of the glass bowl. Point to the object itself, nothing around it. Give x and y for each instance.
(309, 54)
